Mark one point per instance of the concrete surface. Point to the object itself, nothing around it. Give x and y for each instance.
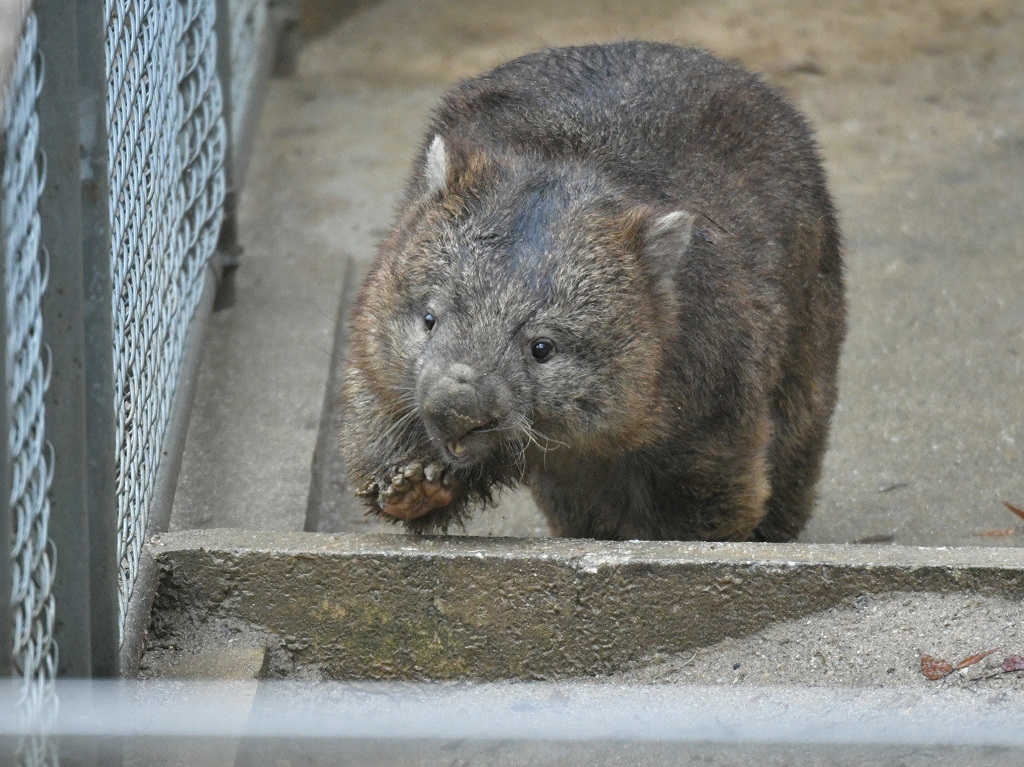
(919, 106)
(385, 607)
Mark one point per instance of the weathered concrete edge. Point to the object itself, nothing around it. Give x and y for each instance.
(586, 554)
(326, 468)
(397, 607)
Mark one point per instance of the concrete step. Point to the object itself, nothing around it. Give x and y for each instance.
(390, 607)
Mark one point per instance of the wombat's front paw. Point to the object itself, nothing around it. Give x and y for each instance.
(415, 490)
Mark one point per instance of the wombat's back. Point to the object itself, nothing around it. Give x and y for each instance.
(672, 123)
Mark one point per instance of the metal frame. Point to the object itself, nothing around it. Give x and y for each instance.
(11, 19)
(76, 330)
(6, 518)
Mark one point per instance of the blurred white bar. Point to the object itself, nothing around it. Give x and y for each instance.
(555, 711)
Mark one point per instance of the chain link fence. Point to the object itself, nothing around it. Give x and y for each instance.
(166, 143)
(26, 368)
(114, 175)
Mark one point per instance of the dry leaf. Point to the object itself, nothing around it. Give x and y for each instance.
(970, 660)
(934, 669)
(1013, 663)
(998, 533)
(1014, 509)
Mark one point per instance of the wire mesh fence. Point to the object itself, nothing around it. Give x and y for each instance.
(27, 371)
(140, 145)
(166, 144)
(203, 138)
(34, 651)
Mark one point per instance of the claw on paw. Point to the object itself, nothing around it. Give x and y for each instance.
(416, 490)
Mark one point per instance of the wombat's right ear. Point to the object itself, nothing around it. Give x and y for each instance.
(667, 238)
(436, 169)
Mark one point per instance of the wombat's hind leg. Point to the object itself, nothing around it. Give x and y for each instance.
(792, 500)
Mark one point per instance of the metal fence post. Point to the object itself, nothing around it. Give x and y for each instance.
(101, 491)
(6, 518)
(60, 209)
(253, 39)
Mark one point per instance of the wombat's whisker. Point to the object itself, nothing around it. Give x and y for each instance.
(515, 450)
(406, 396)
(493, 429)
(549, 440)
(534, 436)
(527, 431)
(397, 429)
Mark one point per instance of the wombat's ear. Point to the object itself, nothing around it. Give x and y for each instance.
(452, 165)
(666, 238)
(436, 169)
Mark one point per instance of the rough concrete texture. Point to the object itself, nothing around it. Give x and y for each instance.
(505, 753)
(869, 641)
(919, 106)
(382, 607)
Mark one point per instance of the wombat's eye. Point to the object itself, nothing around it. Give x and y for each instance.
(428, 321)
(542, 349)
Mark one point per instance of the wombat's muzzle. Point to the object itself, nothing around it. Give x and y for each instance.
(463, 411)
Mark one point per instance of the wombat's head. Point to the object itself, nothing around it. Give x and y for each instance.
(521, 306)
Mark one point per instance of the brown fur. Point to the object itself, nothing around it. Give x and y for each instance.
(660, 220)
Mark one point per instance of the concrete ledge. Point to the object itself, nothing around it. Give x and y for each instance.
(397, 607)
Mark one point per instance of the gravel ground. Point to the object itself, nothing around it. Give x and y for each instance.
(872, 642)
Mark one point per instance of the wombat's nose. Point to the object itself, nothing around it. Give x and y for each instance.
(453, 404)
(461, 373)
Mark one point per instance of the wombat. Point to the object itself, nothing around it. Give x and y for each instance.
(616, 277)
